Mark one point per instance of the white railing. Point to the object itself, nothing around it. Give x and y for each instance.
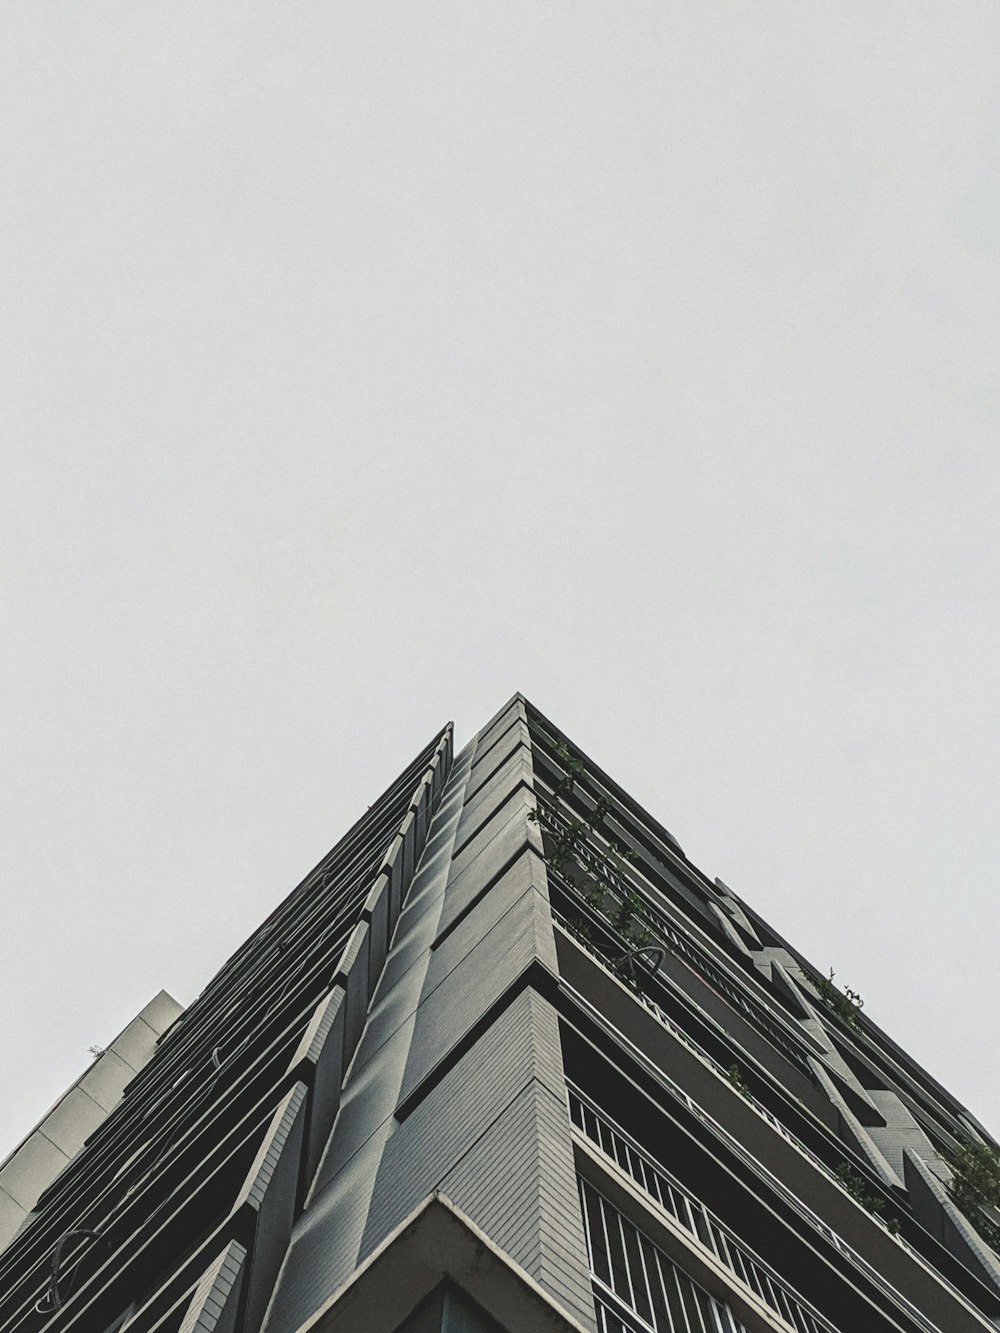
(692, 1214)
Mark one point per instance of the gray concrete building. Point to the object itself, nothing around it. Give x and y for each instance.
(61, 1133)
(507, 1060)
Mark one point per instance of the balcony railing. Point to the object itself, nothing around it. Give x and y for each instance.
(615, 887)
(760, 1108)
(667, 1191)
(789, 1195)
(702, 1053)
(637, 1288)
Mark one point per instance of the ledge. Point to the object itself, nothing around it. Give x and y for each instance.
(437, 1241)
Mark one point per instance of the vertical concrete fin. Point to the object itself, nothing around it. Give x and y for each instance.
(215, 1303)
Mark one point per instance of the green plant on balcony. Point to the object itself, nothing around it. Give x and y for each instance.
(976, 1185)
(598, 870)
(858, 1190)
(594, 873)
(737, 1080)
(624, 970)
(574, 770)
(625, 910)
(846, 1004)
(581, 929)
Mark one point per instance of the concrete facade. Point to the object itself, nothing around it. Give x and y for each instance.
(506, 1060)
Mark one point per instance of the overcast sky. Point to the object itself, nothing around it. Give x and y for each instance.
(366, 362)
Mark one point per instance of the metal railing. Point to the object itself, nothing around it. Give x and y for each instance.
(692, 1214)
(723, 1072)
(762, 1110)
(654, 920)
(682, 1035)
(789, 1195)
(636, 1286)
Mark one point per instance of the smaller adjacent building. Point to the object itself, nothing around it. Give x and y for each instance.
(62, 1132)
